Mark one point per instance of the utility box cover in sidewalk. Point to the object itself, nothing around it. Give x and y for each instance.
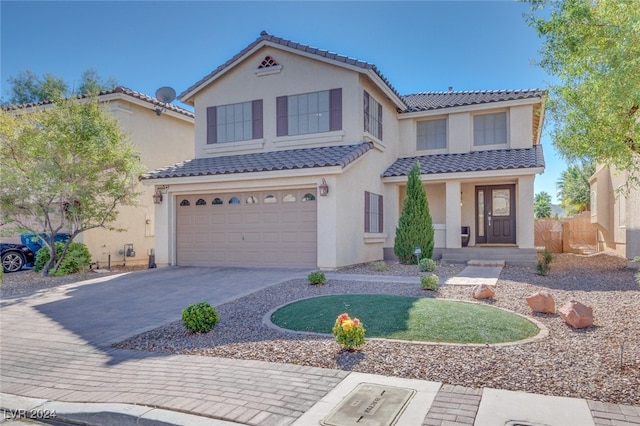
(370, 405)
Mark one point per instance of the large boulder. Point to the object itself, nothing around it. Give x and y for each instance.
(483, 291)
(542, 301)
(576, 314)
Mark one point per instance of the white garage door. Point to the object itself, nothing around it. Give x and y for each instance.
(271, 228)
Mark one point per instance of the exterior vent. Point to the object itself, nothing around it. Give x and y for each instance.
(268, 62)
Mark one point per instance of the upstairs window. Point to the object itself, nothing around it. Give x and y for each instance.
(234, 122)
(372, 116)
(306, 113)
(490, 129)
(432, 134)
(373, 218)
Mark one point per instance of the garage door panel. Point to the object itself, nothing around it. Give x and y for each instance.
(260, 234)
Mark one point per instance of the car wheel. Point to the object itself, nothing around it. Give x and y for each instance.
(12, 261)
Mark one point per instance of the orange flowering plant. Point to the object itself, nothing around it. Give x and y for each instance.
(348, 332)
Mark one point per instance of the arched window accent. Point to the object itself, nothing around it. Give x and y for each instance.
(268, 62)
(309, 197)
(217, 201)
(270, 199)
(289, 198)
(184, 203)
(201, 202)
(234, 200)
(251, 200)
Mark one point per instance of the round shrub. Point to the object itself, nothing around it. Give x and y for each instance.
(429, 282)
(76, 259)
(427, 265)
(316, 277)
(200, 317)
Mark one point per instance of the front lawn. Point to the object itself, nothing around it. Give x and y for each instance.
(408, 318)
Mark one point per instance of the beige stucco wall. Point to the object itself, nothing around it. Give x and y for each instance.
(615, 210)
(161, 140)
(298, 75)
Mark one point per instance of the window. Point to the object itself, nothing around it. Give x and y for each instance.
(185, 203)
(490, 129)
(270, 199)
(234, 200)
(252, 200)
(217, 201)
(235, 122)
(201, 202)
(432, 134)
(308, 197)
(314, 112)
(372, 116)
(373, 220)
(289, 198)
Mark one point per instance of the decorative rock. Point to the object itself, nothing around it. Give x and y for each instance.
(576, 314)
(483, 291)
(542, 302)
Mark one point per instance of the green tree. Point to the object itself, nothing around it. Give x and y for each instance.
(574, 190)
(542, 205)
(593, 48)
(415, 226)
(66, 167)
(28, 87)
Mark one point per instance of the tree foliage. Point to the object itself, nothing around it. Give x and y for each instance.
(542, 205)
(415, 226)
(593, 47)
(574, 190)
(28, 87)
(65, 167)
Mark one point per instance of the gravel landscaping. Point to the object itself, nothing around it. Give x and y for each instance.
(599, 363)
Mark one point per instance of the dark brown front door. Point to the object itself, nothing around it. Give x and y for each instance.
(495, 214)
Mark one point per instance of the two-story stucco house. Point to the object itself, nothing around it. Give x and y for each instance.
(302, 155)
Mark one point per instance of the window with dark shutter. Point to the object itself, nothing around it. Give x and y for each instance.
(308, 113)
(373, 213)
(235, 122)
(372, 116)
(212, 129)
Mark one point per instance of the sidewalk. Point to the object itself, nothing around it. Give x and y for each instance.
(58, 370)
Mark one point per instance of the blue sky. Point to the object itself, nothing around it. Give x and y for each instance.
(418, 45)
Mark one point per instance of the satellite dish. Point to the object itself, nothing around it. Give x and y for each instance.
(165, 94)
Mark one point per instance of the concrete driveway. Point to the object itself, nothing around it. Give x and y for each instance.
(121, 306)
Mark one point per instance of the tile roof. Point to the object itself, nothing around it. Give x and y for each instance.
(499, 159)
(123, 90)
(265, 36)
(264, 161)
(428, 101)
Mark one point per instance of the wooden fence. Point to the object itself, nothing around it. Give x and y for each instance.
(571, 235)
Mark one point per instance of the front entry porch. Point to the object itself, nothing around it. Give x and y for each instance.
(511, 255)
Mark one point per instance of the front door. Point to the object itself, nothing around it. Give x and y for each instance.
(495, 214)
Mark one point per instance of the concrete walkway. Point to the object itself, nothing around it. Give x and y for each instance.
(56, 355)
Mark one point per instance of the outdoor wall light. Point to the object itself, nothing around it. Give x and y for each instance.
(323, 188)
(157, 197)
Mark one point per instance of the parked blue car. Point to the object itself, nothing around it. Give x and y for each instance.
(16, 256)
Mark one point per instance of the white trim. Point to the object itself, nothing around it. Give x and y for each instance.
(374, 237)
(234, 146)
(377, 143)
(468, 175)
(309, 139)
(274, 69)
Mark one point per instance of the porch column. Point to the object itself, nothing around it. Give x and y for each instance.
(164, 229)
(525, 214)
(453, 212)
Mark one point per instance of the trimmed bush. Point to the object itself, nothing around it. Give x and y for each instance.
(77, 258)
(316, 277)
(200, 317)
(427, 265)
(429, 282)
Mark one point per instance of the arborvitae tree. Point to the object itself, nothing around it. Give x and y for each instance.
(415, 227)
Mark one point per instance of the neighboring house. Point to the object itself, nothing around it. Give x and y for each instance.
(162, 133)
(615, 211)
(302, 158)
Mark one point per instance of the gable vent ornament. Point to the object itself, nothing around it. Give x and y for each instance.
(268, 62)
(166, 95)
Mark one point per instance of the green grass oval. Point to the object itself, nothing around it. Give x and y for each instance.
(408, 318)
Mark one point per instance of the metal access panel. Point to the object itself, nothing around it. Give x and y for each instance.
(370, 405)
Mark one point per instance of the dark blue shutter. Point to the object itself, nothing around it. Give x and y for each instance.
(282, 116)
(367, 211)
(366, 111)
(212, 125)
(380, 216)
(256, 114)
(335, 109)
(380, 121)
